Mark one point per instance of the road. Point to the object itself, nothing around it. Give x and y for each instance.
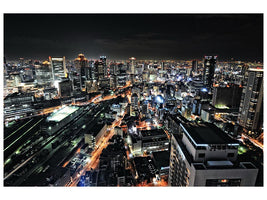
(255, 142)
(95, 155)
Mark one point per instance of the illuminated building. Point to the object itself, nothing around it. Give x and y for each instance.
(27, 75)
(18, 105)
(227, 97)
(209, 68)
(50, 93)
(60, 118)
(43, 74)
(154, 140)
(91, 86)
(194, 66)
(132, 66)
(19, 99)
(14, 80)
(113, 68)
(134, 101)
(95, 131)
(203, 155)
(21, 62)
(82, 66)
(121, 76)
(251, 105)
(92, 71)
(65, 88)
(145, 108)
(103, 59)
(58, 68)
(99, 70)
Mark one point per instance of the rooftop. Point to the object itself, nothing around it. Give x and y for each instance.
(161, 158)
(206, 133)
(153, 133)
(62, 113)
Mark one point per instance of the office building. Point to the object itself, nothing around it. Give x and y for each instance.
(43, 74)
(100, 72)
(154, 140)
(251, 105)
(132, 65)
(103, 59)
(227, 97)
(134, 101)
(209, 68)
(58, 68)
(121, 76)
(203, 155)
(194, 66)
(65, 88)
(82, 67)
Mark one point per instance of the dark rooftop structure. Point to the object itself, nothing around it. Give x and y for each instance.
(206, 133)
(94, 127)
(152, 133)
(161, 159)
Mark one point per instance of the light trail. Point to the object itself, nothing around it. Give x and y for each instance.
(19, 165)
(255, 142)
(18, 129)
(23, 135)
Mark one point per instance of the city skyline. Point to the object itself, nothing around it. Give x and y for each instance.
(145, 36)
(130, 100)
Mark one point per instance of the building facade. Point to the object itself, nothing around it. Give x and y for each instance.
(203, 155)
(251, 105)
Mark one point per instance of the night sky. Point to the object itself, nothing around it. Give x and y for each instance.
(144, 36)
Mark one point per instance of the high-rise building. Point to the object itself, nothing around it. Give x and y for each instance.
(65, 88)
(43, 74)
(82, 67)
(103, 59)
(194, 66)
(209, 68)
(132, 65)
(92, 71)
(121, 76)
(203, 155)
(134, 101)
(58, 68)
(221, 96)
(251, 105)
(99, 70)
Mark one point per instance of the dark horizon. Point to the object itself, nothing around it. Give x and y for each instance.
(144, 36)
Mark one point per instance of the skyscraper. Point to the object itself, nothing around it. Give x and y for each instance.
(82, 67)
(121, 76)
(103, 59)
(203, 155)
(221, 96)
(194, 66)
(251, 105)
(43, 74)
(99, 70)
(209, 67)
(58, 68)
(132, 65)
